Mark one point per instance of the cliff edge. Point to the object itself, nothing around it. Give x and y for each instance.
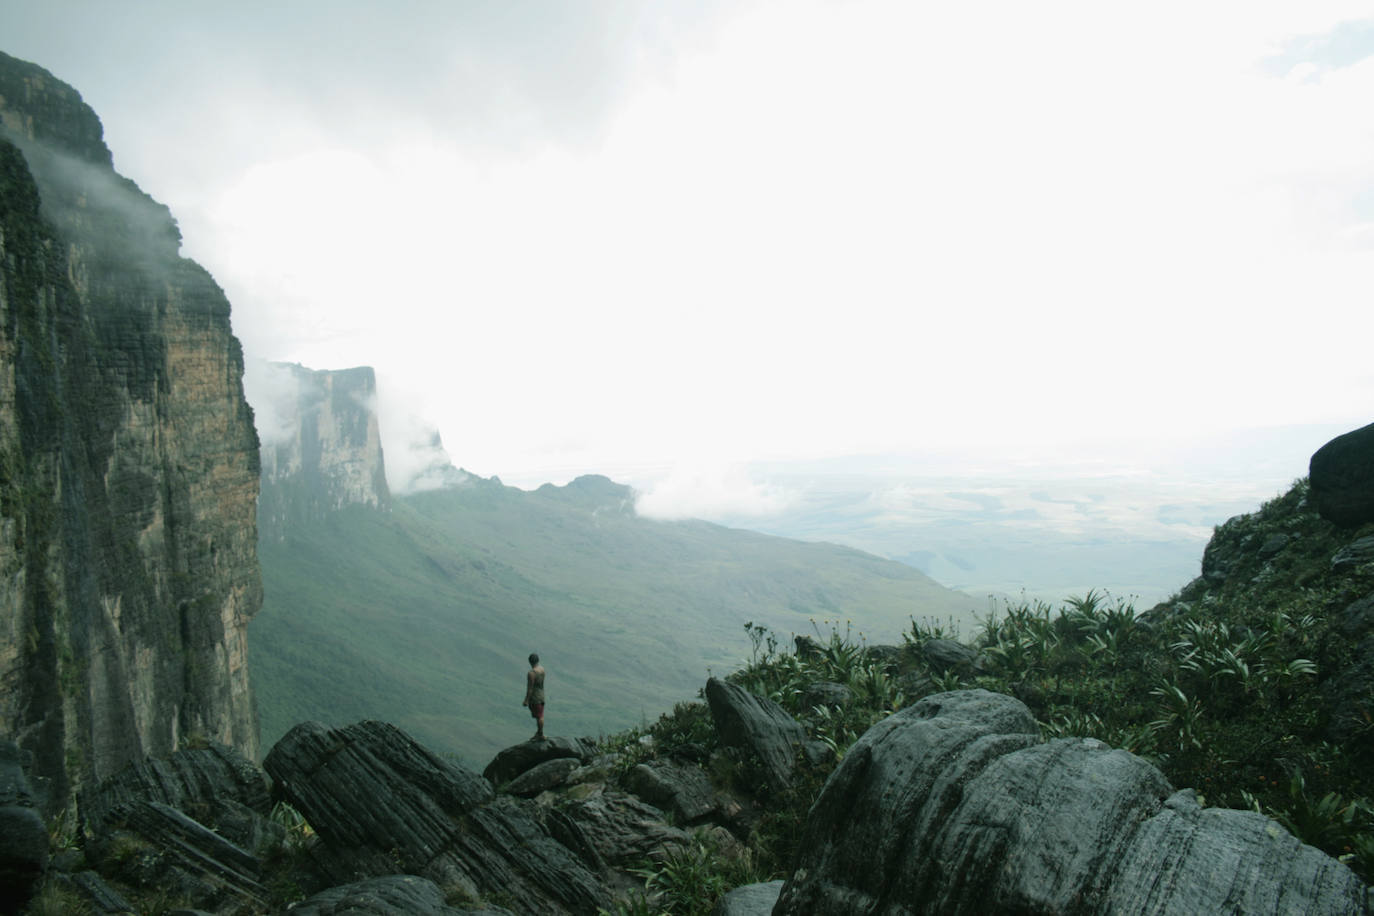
(128, 461)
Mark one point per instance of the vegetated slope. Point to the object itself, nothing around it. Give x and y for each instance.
(423, 616)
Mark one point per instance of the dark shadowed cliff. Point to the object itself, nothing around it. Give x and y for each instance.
(128, 460)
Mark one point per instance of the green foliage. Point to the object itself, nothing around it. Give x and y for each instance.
(689, 880)
(54, 899)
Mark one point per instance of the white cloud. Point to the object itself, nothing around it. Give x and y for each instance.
(725, 492)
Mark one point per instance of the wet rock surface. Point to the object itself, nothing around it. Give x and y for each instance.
(381, 803)
(955, 805)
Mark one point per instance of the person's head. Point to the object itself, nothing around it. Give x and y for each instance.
(534, 659)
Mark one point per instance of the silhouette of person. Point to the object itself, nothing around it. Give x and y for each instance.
(534, 694)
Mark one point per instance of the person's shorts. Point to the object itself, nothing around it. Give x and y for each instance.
(536, 710)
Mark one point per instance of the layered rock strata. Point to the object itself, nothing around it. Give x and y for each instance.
(128, 461)
(954, 805)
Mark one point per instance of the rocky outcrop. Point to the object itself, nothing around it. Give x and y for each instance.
(23, 838)
(321, 448)
(954, 805)
(128, 461)
(1342, 476)
(381, 803)
(520, 758)
(216, 785)
(756, 727)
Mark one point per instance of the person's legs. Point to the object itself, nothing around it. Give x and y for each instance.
(537, 711)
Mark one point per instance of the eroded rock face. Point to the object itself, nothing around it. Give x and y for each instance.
(954, 805)
(128, 541)
(23, 837)
(381, 803)
(1342, 477)
(329, 452)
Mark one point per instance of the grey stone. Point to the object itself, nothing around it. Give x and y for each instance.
(548, 775)
(380, 803)
(1273, 545)
(518, 758)
(828, 694)
(887, 657)
(947, 655)
(615, 828)
(756, 726)
(217, 786)
(383, 896)
(1341, 473)
(99, 896)
(23, 837)
(1356, 553)
(681, 788)
(954, 805)
(749, 900)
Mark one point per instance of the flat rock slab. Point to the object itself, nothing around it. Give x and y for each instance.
(955, 805)
(384, 896)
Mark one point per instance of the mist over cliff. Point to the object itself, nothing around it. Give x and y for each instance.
(128, 461)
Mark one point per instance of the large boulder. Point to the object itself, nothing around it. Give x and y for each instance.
(756, 726)
(955, 805)
(23, 837)
(216, 785)
(610, 828)
(381, 803)
(527, 755)
(1342, 476)
(681, 788)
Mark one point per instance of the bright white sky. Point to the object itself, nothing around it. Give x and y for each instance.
(670, 242)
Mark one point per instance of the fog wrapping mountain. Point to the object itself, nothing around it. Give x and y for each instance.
(128, 460)
(431, 605)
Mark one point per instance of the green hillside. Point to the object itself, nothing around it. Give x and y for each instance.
(423, 616)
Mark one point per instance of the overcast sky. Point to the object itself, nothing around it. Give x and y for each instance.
(672, 242)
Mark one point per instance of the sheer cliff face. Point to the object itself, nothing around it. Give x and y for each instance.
(326, 451)
(128, 460)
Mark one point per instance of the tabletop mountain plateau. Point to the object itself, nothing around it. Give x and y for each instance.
(1212, 754)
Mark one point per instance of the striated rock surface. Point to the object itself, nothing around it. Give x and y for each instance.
(383, 897)
(953, 805)
(756, 726)
(1342, 475)
(322, 449)
(128, 461)
(381, 803)
(518, 758)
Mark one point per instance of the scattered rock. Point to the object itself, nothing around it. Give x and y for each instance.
(518, 758)
(756, 726)
(615, 828)
(181, 855)
(382, 803)
(683, 789)
(1356, 553)
(954, 805)
(1342, 478)
(1273, 545)
(23, 837)
(217, 786)
(947, 655)
(750, 900)
(887, 657)
(548, 775)
(827, 694)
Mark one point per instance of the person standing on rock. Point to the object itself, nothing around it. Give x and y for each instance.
(534, 694)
